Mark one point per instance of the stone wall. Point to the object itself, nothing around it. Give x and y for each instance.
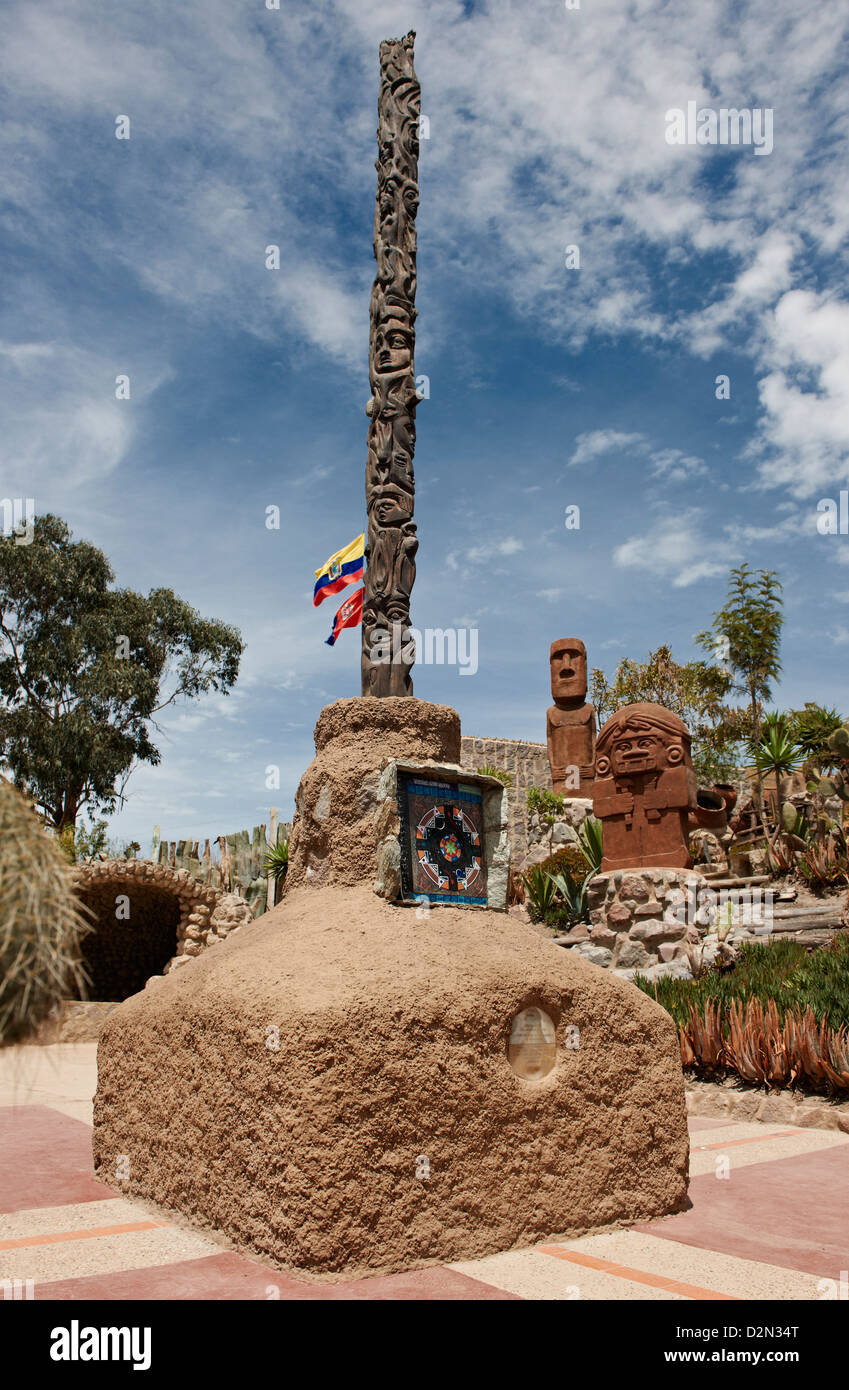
(643, 919)
(527, 764)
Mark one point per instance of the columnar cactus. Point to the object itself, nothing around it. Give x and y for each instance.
(41, 920)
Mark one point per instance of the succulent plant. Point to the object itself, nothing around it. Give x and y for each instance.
(41, 920)
(838, 742)
(834, 785)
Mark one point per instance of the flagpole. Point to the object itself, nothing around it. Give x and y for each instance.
(392, 540)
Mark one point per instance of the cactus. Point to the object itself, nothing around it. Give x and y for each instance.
(789, 818)
(838, 742)
(835, 785)
(837, 782)
(41, 920)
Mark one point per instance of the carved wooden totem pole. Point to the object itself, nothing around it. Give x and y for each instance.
(392, 541)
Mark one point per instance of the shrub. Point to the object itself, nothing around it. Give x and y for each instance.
(41, 920)
(546, 804)
(505, 778)
(568, 859)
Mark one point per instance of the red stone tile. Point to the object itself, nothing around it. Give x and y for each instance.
(46, 1159)
(792, 1212)
(232, 1276)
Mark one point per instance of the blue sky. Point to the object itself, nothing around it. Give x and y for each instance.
(548, 386)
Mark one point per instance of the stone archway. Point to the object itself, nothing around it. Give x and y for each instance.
(146, 920)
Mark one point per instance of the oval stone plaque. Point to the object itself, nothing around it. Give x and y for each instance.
(532, 1050)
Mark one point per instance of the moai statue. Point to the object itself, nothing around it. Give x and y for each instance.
(644, 789)
(570, 722)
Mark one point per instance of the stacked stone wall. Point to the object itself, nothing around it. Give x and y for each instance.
(527, 764)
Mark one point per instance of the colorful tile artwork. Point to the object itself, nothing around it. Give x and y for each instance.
(441, 841)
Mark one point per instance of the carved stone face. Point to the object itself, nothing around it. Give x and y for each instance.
(634, 753)
(568, 662)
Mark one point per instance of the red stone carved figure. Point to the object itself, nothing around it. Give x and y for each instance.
(570, 722)
(644, 789)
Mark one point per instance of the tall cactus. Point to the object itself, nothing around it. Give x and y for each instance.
(41, 920)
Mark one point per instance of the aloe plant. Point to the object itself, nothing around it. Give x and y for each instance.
(277, 860)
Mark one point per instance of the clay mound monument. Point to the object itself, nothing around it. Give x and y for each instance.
(350, 1084)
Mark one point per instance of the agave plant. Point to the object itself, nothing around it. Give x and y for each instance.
(588, 839)
(541, 893)
(573, 894)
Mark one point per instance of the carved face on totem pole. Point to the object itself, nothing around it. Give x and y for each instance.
(570, 723)
(645, 788)
(393, 344)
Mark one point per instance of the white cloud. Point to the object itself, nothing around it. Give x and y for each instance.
(804, 436)
(62, 422)
(516, 168)
(677, 549)
(511, 545)
(674, 466)
(669, 465)
(594, 444)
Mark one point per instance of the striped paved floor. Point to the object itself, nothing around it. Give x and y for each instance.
(769, 1220)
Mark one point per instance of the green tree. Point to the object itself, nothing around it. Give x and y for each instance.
(85, 667)
(695, 692)
(746, 638)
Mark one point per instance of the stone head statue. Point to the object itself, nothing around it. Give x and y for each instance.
(570, 722)
(568, 662)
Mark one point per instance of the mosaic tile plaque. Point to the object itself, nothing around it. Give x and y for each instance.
(442, 857)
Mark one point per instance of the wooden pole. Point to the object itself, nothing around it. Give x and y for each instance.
(392, 541)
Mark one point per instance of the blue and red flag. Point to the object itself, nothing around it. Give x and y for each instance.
(342, 569)
(350, 614)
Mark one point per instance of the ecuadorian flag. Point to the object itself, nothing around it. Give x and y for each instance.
(342, 569)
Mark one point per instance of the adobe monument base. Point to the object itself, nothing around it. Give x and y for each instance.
(348, 1084)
